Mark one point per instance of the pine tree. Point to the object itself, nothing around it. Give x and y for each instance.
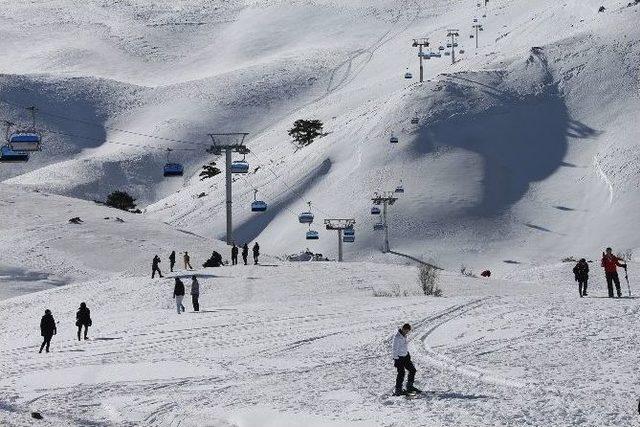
(304, 132)
(121, 200)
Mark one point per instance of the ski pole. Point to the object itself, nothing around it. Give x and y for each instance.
(626, 276)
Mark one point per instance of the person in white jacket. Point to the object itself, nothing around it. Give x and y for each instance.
(402, 361)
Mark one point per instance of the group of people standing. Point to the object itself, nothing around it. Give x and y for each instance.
(155, 264)
(610, 263)
(179, 291)
(48, 326)
(245, 253)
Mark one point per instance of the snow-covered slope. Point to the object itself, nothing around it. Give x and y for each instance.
(519, 153)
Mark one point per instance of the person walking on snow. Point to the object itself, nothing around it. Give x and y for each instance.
(172, 260)
(83, 318)
(187, 261)
(402, 361)
(245, 253)
(178, 295)
(195, 293)
(47, 329)
(256, 253)
(610, 262)
(154, 267)
(581, 273)
(234, 255)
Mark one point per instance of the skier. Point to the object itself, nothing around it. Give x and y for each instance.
(172, 260)
(581, 273)
(610, 262)
(83, 318)
(187, 260)
(154, 267)
(245, 253)
(178, 295)
(256, 253)
(234, 255)
(402, 361)
(195, 293)
(47, 329)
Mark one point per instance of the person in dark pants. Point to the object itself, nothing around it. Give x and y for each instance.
(234, 255)
(83, 318)
(187, 261)
(610, 262)
(155, 267)
(256, 252)
(178, 295)
(402, 361)
(581, 273)
(245, 253)
(172, 260)
(195, 293)
(47, 329)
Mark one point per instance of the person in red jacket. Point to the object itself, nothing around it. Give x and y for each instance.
(610, 262)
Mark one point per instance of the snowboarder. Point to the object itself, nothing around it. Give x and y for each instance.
(83, 318)
(402, 361)
(256, 253)
(154, 267)
(172, 260)
(195, 293)
(187, 261)
(234, 255)
(47, 329)
(610, 262)
(581, 273)
(245, 253)
(178, 295)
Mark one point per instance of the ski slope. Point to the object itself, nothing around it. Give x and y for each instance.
(520, 153)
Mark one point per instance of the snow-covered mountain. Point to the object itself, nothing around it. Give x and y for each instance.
(525, 147)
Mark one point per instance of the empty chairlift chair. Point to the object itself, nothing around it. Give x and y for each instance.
(349, 235)
(25, 140)
(375, 210)
(258, 205)
(11, 156)
(172, 168)
(306, 217)
(399, 189)
(415, 119)
(378, 226)
(393, 139)
(240, 166)
(312, 235)
(408, 75)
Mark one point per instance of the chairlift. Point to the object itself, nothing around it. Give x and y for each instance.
(240, 166)
(481, 28)
(393, 139)
(455, 45)
(471, 36)
(258, 205)
(172, 168)
(415, 120)
(349, 235)
(8, 155)
(448, 44)
(484, 16)
(441, 48)
(475, 19)
(378, 226)
(27, 139)
(408, 75)
(447, 53)
(399, 188)
(312, 235)
(461, 51)
(375, 210)
(306, 217)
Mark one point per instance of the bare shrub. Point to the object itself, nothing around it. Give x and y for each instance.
(428, 278)
(395, 291)
(466, 272)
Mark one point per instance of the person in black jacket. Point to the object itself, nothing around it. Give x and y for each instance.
(83, 318)
(172, 260)
(581, 273)
(234, 255)
(256, 253)
(178, 295)
(245, 253)
(155, 267)
(47, 329)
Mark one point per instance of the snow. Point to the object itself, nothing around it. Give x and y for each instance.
(526, 153)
